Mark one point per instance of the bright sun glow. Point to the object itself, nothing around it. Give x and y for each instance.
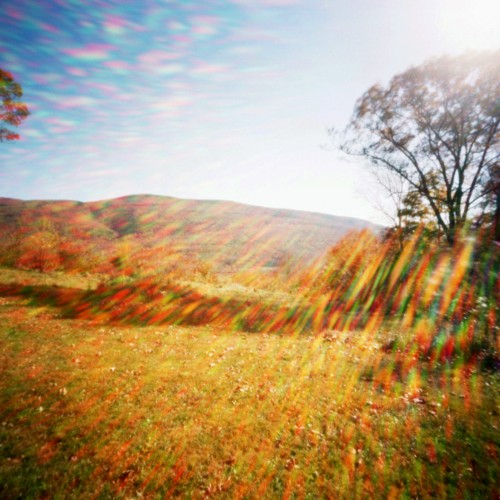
(470, 24)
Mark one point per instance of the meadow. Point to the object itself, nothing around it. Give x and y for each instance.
(149, 389)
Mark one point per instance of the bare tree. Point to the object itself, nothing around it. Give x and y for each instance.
(436, 127)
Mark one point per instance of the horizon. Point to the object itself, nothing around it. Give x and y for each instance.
(226, 101)
(192, 199)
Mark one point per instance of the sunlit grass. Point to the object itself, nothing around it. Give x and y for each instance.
(109, 411)
(373, 374)
(54, 278)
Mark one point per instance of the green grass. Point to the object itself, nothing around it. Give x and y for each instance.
(100, 411)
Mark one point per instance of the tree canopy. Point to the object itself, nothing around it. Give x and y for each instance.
(12, 111)
(437, 127)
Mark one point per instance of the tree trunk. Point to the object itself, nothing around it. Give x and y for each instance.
(496, 221)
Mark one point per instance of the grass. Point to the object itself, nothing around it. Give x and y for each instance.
(108, 411)
(53, 279)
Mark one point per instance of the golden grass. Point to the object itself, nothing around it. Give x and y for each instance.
(52, 278)
(104, 412)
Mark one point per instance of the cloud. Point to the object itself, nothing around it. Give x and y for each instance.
(266, 3)
(55, 120)
(205, 25)
(115, 25)
(31, 133)
(91, 52)
(60, 125)
(117, 65)
(159, 62)
(169, 69)
(46, 78)
(105, 88)
(13, 13)
(203, 68)
(157, 57)
(173, 102)
(49, 27)
(171, 107)
(77, 101)
(72, 70)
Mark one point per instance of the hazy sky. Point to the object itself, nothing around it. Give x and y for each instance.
(211, 99)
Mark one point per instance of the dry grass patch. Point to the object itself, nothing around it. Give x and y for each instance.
(53, 278)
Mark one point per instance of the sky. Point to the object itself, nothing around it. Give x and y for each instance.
(212, 99)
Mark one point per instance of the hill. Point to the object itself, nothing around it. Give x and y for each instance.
(228, 235)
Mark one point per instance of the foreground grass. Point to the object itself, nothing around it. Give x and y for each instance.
(105, 411)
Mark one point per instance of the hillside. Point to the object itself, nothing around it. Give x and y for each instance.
(226, 234)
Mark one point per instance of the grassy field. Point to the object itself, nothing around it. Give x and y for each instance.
(112, 411)
(55, 278)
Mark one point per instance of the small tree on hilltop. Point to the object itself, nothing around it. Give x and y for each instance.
(436, 126)
(12, 112)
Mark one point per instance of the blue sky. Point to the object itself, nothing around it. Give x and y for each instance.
(211, 99)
